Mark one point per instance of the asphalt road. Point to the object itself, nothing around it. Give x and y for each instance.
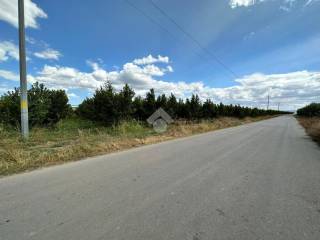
(256, 181)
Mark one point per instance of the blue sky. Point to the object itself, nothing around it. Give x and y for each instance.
(265, 47)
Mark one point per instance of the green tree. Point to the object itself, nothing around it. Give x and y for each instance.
(59, 107)
(172, 106)
(45, 106)
(195, 107)
(209, 109)
(105, 108)
(161, 101)
(138, 109)
(311, 110)
(149, 104)
(10, 108)
(124, 102)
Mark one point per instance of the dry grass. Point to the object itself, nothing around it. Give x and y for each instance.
(312, 126)
(74, 139)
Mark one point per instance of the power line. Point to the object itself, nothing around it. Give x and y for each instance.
(155, 22)
(163, 12)
(147, 16)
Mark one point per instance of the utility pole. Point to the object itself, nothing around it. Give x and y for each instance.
(268, 101)
(278, 107)
(23, 73)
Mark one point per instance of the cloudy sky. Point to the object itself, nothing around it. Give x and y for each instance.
(232, 51)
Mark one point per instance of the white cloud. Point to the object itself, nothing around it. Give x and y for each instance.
(285, 5)
(72, 95)
(30, 40)
(48, 54)
(9, 75)
(170, 69)
(9, 13)
(93, 65)
(241, 3)
(291, 90)
(67, 77)
(151, 60)
(4, 90)
(8, 50)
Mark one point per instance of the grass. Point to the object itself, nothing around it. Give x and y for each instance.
(73, 139)
(312, 127)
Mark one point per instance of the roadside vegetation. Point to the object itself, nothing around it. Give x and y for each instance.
(109, 121)
(309, 118)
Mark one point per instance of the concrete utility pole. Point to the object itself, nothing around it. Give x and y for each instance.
(23, 73)
(268, 102)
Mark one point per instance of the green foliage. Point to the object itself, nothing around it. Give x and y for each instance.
(46, 107)
(86, 109)
(10, 108)
(209, 109)
(138, 108)
(311, 110)
(110, 107)
(58, 107)
(104, 105)
(124, 102)
(39, 104)
(172, 106)
(149, 104)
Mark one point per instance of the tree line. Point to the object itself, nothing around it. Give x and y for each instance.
(108, 106)
(311, 110)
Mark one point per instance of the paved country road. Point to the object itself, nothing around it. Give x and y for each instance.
(256, 181)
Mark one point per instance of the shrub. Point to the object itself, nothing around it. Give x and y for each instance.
(10, 108)
(311, 110)
(45, 106)
(86, 109)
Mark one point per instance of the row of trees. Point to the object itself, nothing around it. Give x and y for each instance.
(110, 106)
(311, 110)
(46, 106)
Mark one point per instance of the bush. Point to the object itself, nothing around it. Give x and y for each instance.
(86, 109)
(108, 106)
(311, 110)
(10, 108)
(46, 107)
(58, 107)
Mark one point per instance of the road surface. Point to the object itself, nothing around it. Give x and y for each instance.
(256, 181)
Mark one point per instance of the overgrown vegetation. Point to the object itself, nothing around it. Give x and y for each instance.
(107, 122)
(309, 118)
(46, 107)
(73, 138)
(312, 126)
(311, 110)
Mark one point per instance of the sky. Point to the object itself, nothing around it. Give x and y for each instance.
(231, 51)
